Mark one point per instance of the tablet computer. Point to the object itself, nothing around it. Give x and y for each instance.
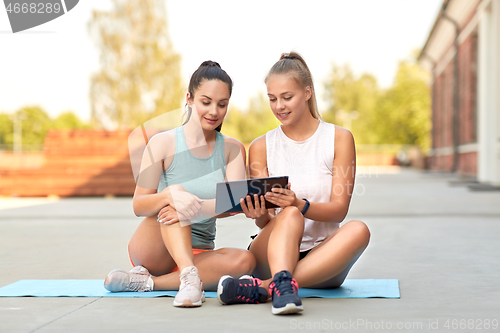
(228, 194)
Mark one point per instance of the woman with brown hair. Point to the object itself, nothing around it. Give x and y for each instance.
(173, 247)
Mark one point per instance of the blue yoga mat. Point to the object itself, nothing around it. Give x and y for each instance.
(351, 288)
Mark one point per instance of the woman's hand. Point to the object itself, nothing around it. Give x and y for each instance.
(186, 204)
(282, 197)
(254, 212)
(168, 215)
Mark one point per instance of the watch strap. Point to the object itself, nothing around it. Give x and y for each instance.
(306, 206)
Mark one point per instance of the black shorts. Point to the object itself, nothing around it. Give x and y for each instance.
(302, 254)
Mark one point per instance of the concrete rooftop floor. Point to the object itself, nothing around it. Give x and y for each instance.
(437, 237)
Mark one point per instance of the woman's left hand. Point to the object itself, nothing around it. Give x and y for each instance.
(168, 215)
(282, 197)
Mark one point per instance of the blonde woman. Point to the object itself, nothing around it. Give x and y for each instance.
(301, 243)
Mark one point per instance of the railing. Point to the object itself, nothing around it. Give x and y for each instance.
(71, 163)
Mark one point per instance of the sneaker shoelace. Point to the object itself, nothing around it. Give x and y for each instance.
(249, 292)
(138, 281)
(283, 286)
(188, 280)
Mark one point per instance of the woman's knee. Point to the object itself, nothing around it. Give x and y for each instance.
(239, 261)
(336, 281)
(156, 265)
(291, 213)
(245, 261)
(360, 233)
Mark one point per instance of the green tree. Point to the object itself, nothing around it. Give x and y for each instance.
(140, 72)
(403, 112)
(6, 129)
(69, 120)
(398, 115)
(233, 125)
(346, 92)
(254, 122)
(35, 124)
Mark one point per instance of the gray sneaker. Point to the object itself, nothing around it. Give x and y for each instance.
(191, 292)
(137, 279)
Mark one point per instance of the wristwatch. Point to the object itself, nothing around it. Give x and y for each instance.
(306, 206)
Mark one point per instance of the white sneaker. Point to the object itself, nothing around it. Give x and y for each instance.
(137, 279)
(191, 289)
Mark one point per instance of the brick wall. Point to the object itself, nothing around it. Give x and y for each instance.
(467, 110)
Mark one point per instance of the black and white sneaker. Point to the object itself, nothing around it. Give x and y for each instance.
(243, 290)
(284, 291)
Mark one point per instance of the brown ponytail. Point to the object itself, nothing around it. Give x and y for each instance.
(293, 63)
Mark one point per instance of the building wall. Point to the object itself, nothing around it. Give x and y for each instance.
(467, 90)
(478, 86)
(442, 155)
(467, 163)
(488, 96)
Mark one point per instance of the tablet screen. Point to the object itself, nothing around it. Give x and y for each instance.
(228, 194)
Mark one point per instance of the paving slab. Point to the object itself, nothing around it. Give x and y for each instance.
(440, 240)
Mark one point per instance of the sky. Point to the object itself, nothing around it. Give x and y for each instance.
(51, 65)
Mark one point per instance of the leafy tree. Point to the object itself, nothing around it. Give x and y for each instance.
(68, 120)
(140, 72)
(233, 125)
(34, 126)
(256, 121)
(398, 115)
(403, 112)
(6, 129)
(35, 123)
(346, 92)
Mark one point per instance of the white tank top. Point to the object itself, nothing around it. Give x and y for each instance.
(309, 166)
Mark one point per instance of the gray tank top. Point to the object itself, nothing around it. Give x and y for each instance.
(199, 177)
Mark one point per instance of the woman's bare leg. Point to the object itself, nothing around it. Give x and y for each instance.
(177, 240)
(276, 248)
(212, 265)
(327, 265)
(147, 248)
